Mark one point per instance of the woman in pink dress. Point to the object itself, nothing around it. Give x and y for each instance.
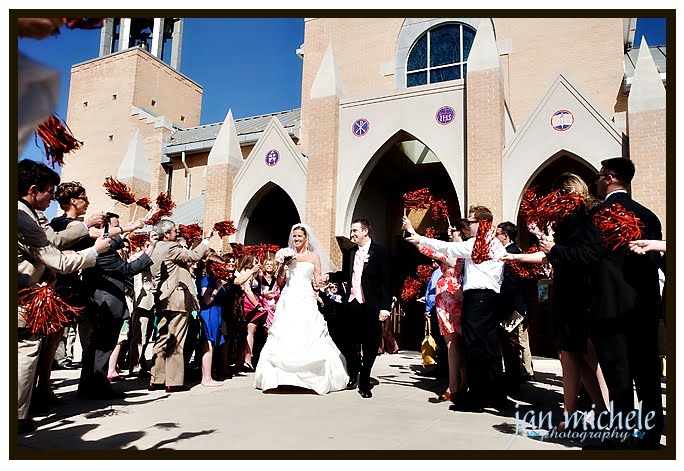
(448, 302)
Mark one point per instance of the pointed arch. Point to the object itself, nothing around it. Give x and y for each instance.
(268, 216)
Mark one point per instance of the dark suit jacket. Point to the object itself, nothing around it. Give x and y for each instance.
(626, 282)
(576, 252)
(112, 277)
(375, 279)
(514, 290)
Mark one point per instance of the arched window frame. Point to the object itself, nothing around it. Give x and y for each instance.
(411, 30)
(428, 69)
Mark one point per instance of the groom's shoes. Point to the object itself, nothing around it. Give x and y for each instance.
(352, 384)
(366, 394)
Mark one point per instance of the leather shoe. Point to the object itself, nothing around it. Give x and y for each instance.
(352, 384)
(155, 387)
(26, 426)
(365, 394)
(179, 388)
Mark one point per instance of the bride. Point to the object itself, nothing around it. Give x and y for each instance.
(299, 350)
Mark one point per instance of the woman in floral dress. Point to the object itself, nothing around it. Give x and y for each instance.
(448, 302)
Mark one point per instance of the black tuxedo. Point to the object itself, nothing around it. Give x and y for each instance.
(361, 327)
(512, 297)
(108, 282)
(625, 315)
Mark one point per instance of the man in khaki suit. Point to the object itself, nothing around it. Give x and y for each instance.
(38, 260)
(175, 298)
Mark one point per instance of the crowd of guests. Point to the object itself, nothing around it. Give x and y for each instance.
(606, 306)
(606, 303)
(163, 293)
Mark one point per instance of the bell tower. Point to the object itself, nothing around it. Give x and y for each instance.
(133, 96)
(151, 34)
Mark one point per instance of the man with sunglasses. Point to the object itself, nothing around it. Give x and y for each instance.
(479, 315)
(626, 307)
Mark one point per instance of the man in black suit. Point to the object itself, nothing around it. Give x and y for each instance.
(512, 305)
(107, 283)
(366, 270)
(626, 306)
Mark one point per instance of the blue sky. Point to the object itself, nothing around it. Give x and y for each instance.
(246, 64)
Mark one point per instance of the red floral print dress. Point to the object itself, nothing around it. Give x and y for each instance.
(449, 291)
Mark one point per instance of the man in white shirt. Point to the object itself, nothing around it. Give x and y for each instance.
(479, 316)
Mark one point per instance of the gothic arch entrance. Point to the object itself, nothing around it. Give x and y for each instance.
(403, 164)
(269, 216)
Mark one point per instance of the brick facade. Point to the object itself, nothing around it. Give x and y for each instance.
(323, 124)
(218, 198)
(484, 141)
(103, 96)
(647, 145)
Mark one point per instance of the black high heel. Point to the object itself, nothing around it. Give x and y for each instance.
(248, 368)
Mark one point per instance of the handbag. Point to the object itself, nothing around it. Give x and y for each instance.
(428, 347)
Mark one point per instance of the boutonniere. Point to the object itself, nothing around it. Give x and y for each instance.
(366, 257)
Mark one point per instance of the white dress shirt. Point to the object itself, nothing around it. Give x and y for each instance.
(359, 262)
(485, 275)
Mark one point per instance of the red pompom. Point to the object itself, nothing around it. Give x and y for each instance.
(260, 251)
(528, 270)
(137, 240)
(165, 205)
(118, 191)
(225, 228)
(83, 23)
(219, 270)
(439, 210)
(419, 199)
(410, 289)
(190, 232)
(144, 203)
(617, 226)
(238, 249)
(549, 209)
(57, 140)
(482, 242)
(430, 232)
(424, 273)
(45, 312)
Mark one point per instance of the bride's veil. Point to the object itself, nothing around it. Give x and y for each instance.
(315, 246)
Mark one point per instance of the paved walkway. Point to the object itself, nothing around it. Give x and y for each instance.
(400, 416)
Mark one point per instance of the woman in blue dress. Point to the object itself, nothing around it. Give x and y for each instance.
(212, 294)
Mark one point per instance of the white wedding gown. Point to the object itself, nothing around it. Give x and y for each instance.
(299, 350)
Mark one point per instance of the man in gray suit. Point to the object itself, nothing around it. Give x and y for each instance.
(107, 283)
(175, 298)
(39, 259)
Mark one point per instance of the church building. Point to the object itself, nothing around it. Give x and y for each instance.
(476, 109)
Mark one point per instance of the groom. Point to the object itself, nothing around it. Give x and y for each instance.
(366, 271)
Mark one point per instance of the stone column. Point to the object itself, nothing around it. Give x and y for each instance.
(646, 126)
(322, 130)
(484, 123)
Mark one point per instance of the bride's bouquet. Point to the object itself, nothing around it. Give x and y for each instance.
(285, 255)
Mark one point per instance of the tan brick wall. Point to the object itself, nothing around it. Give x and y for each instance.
(218, 199)
(484, 141)
(110, 86)
(175, 97)
(361, 46)
(588, 51)
(321, 190)
(197, 163)
(647, 151)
